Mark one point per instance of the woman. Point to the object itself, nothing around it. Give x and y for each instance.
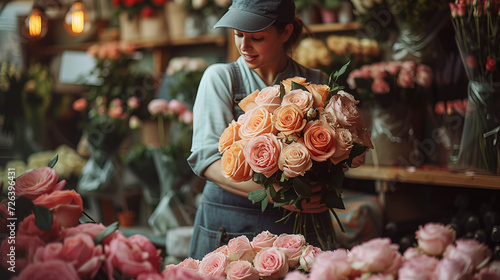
(264, 34)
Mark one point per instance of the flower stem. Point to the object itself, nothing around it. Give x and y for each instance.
(161, 131)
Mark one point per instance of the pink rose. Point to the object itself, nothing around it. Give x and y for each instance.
(149, 276)
(308, 255)
(418, 267)
(405, 79)
(28, 227)
(186, 117)
(291, 245)
(271, 263)
(213, 265)
(319, 138)
(411, 252)
(294, 160)
(91, 229)
(492, 271)
(331, 265)
(180, 273)
(424, 76)
(343, 106)
(263, 240)
(269, 98)
(344, 145)
(376, 256)
(127, 257)
(365, 71)
(303, 99)
(239, 248)
(54, 269)
(176, 107)
(262, 153)
(477, 252)
(190, 263)
(241, 270)
(380, 86)
(433, 238)
(451, 269)
(296, 275)
(116, 102)
(133, 102)
(40, 181)
(67, 215)
(353, 75)
(158, 107)
(393, 67)
(147, 247)
(80, 104)
(378, 72)
(409, 66)
(440, 108)
(51, 251)
(115, 112)
(24, 249)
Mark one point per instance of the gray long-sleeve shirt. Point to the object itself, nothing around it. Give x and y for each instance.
(213, 108)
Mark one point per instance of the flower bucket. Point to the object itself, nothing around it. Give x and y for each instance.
(129, 27)
(153, 28)
(479, 148)
(175, 16)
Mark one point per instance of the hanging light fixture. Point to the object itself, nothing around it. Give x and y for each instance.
(76, 21)
(35, 25)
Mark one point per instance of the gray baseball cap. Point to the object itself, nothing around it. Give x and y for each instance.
(257, 15)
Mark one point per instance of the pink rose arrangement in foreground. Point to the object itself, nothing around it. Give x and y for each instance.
(293, 137)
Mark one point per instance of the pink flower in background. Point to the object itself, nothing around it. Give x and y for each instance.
(263, 240)
(308, 256)
(478, 252)
(213, 264)
(380, 86)
(331, 265)
(405, 79)
(433, 238)
(115, 112)
(418, 267)
(375, 256)
(54, 269)
(28, 227)
(150, 276)
(271, 263)
(36, 182)
(291, 245)
(440, 108)
(186, 117)
(393, 67)
(176, 107)
(239, 248)
(80, 104)
(424, 76)
(147, 247)
(24, 251)
(378, 72)
(133, 102)
(92, 230)
(134, 122)
(158, 107)
(241, 270)
(180, 273)
(296, 275)
(452, 269)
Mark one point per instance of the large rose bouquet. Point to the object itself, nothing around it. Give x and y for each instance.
(293, 138)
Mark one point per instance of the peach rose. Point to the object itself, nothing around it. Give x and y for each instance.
(289, 119)
(331, 265)
(294, 160)
(380, 86)
(344, 145)
(239, 248)
(319, 94)
(190, 263)
(376, 256)
(28, 227)
(229, 136)
(343, 106)
(115, 112)
(248, 103)
(271, 263)
(263, 240)
(269, 98)
(24, 249)
(213, 265)
(319, 138)
(477, 252)
(303, 99)
(80, 104)
(67, 197)
(234, 165)
(256, 123)
(291, 245)
(418, 267)
(241, 270)
(158, 107)
(54, 269)
(262, 153)
(307, 257)
(288, 82)
(433, 238)
(39, 181)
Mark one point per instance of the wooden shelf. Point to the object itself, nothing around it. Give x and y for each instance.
(425, 175)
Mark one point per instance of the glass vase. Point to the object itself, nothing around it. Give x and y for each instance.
(479, 149)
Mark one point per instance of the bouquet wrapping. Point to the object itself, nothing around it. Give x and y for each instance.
(294, 139)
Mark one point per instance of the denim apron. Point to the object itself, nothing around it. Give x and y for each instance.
(222, 215)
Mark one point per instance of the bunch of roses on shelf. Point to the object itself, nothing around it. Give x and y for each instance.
(436, 255)
(144, 8)
(386, 83)
(293, 138)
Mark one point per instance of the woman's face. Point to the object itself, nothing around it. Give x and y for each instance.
(262, 49)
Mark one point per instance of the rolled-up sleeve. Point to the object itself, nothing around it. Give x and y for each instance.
(212, 113)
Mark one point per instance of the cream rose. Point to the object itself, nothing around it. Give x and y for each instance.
(256, 123)
(291, 245)
(319, 138)
(262, 153)
(241, 270)
(303, 99)
(289, 119)
(344, 145)
(308, 255)
(294, 160)
(269, 98)
(234, 165)
(271, 263)
(433, 238)
(229, 136)
(239, 248)
(263, 240)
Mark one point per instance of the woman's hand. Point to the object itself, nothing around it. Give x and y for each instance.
(313, 206)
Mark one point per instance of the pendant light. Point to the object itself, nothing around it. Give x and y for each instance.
(77, 21)
(35, 25)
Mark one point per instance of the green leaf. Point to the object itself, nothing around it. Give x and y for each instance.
(282, 91)
(43, 217)
(265, 202)
(357, 150)
(334, 200)
(298, 86)
(301, 188)
(105, 233)
(24, 207)
(53, 161)
(257, 195)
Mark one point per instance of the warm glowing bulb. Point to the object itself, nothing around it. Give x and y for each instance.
(76, 20)
(36, 25)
